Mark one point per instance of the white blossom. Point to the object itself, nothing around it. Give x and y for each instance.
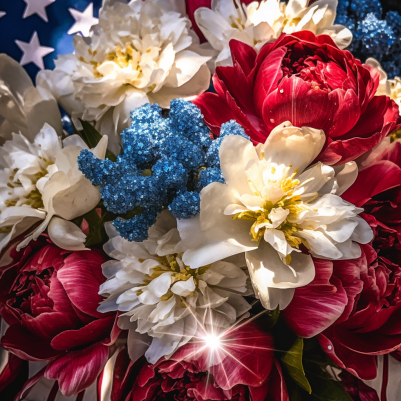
(278, 211)
(139, 52)
(41, 179)
(22, 107)
(262, 22)
(166, 302)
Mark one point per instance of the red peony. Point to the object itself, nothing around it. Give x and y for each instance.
(49, 297)
(308, 80)
(244, 369)
(355, 305)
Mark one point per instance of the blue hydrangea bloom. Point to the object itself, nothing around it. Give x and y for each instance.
(165, 164)
(375, 35)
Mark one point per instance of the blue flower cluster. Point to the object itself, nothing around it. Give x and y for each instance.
(375, 35)
(165, 164)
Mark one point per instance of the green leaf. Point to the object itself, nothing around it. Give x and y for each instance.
(272, 317)
(91, 137)
(294, 395)
(323, 386)
(292, 360)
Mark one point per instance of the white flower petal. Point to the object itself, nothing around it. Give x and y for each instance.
(184, 288)
(277, 240)
(268, 270)
(320, 245)
(294, 146)
(66, 235)
(236, 153)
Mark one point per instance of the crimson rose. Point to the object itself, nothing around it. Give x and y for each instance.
(309, 81)
(242, 369)
(355, 305)
(49, 297)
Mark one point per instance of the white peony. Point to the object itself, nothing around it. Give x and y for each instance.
(22, 108)
(387, 87)
(272, 207)
(262, 22)
(167, 302)
(41, 179)
(141, 52)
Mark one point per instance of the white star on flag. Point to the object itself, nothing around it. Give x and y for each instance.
(83, 21)
(37, 7)
(33, 51)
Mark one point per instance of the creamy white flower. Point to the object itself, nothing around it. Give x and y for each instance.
(41, 179)
(272, 207)
(387, 87)
(22, 108)
(262, 22)
(139, 52)
(162, 297)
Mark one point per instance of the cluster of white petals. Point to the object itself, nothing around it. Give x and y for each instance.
(22, 107)
(277, 211)
(139, 52)
(262, 22)
(166, 302)
(40, 182)
(387, 87)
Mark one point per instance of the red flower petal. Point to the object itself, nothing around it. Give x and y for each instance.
(318, 305)
(96, 331)
(26, 345)
(365, 188)
(81, 277)
(215, 110)
(77, 370)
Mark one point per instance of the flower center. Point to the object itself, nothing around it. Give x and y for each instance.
(34, 198)
(128, 59)
(173, 263)
(290, 202)
(395, 135)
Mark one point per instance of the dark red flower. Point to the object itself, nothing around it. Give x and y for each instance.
(309, 81)
(244, 368)
(355, 305)
(49, 297)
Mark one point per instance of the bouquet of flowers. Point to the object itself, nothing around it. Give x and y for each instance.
(214, 215)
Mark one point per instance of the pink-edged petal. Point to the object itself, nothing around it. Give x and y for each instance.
(77, 370)
(34, 349)
(98, 330)
(251, 368)
(81, 278)
(317, 305)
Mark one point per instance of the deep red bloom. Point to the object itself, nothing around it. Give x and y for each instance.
(355, 305)
(49, 297)
(309, 81)
(246, 370)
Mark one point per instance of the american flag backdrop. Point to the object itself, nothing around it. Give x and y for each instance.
(34, 32)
